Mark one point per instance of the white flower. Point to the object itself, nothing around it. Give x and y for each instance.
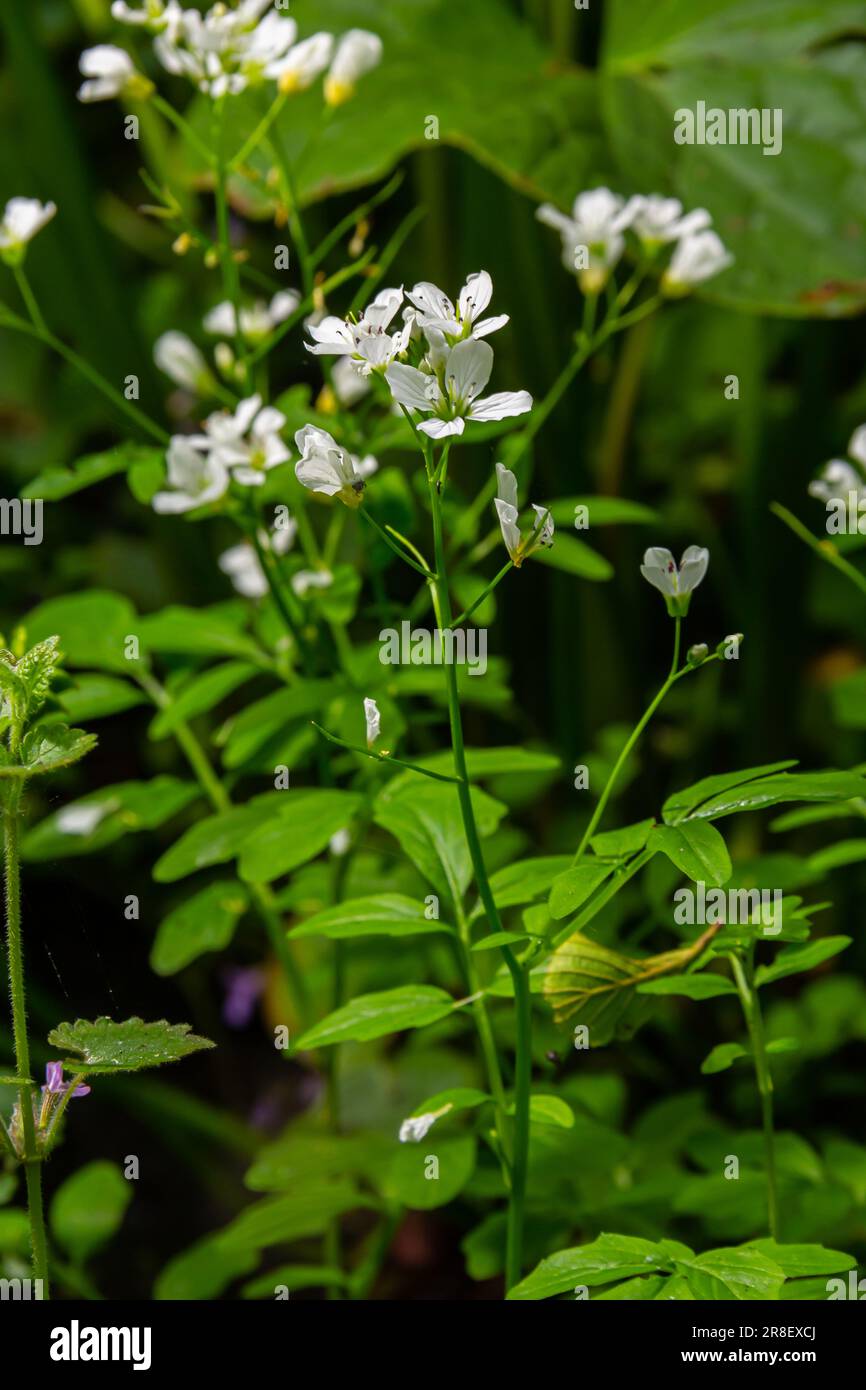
(660, 569)
(305, 580)
(349, 386)
(155, 15)
(366, 341)
(226, 50)
(248, 441)
(257, 320)
(435, 310)
(597, 223)
(839, 478)
(195, 478)
(82, 820)
(22, 219)
(110, 71)
(300, 67)
(357, 52)
(466, 372)
(177, 355)
(340, 842)
(373, 721)
(243, 567)
(696, 258)
(325, 467)
(508, 510)
(656, 220)
(416, 1127)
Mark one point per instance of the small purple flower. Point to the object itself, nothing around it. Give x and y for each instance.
(243, 988)
(55, 1084)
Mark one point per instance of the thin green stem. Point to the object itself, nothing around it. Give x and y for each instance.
(826, 550)
(476, 603)
(180, 124)
(744, 978)
(260, 131)
(422, 568)
(37, 329)
(522, 998)
(296, 225)
(383, 756)
(17, 994)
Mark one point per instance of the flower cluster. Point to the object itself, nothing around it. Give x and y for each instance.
(180, 359)
(239, 446)
(593, 238)
(839, 478)
(227, 50)
(507, 505)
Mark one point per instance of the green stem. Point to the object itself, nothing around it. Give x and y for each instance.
(296, 225)
(522, 998)
(636, 732)
(180, 124)
(422, 568)
(825, 549)
(261, 130)
(37, 329)
(744, 978)
(231, 273)
(476, 603)
(15, 958)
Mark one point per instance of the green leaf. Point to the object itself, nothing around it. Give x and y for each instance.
(784, 218)
(702, 986)
(414, 1182)
(212, 631)
(491, 762)
(425, 818)
(203, 1271)
(697, 850)
(94, 696)
(57, 483)
(601, 511)
(571, 889)
(93, 627)
(107, 1047)
(88, 1209)
(98, 819)
(299, 1157)
(497, 939)
(607, 1258)
(200, 694)
(278, 1220)
(292, 1277)
(574, 557)
(205, 922)
(787, 786)
(683, 803)
(527, 879)
(550, 1110)
(797, 1261)
(836, 856)
(383, 914)
(741, 1273)
(622, 844)
(264, 719)
(458, 1098)
(47, 749)
(216, 839)
(306, 823)
(791, 960)
(722, 1056)
(374, 1015)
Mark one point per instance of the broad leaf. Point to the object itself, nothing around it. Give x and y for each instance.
(794, 959)
(93, 627)
(425, 818)
(46, 749)
(414, 1182)
(98, 819)
(89, 1207)
(572, 888)
(700, 986)
(742, 1273)
(106, 1046)
(374, 1015)
(697, 849)
(384, 914)
(607, 1258)
(58, 483)
(306, 822)
(216, 839)
(683, 803)
(201, 694)
(205, 922)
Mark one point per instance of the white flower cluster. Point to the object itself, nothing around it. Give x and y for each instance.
(229, 49)
(507, 505)
(839, 478)
(452, 364)
(237, 446)
(177, 355)
(593, 238)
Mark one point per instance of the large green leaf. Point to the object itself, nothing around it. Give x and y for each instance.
(216, 839)
(790, 219)
(794, 959)
(214, 631)
(572, 888)
(756, 794)
(697, 849)
(413, 1181)
(682, 804)
(93, 627)
(205, 922)
(425, 818)
(98, 819)
(276, 1220)
(744, 1272)
(383, 914)
(58, 483)
(200, 694)
(88, 1208)
(306, 822)
(374, 1015)
(607, 1258)
(106, 1046)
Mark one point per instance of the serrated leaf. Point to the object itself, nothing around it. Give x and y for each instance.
(47, 749)
(373, 1015)
(103, 1046)
(205, 922)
